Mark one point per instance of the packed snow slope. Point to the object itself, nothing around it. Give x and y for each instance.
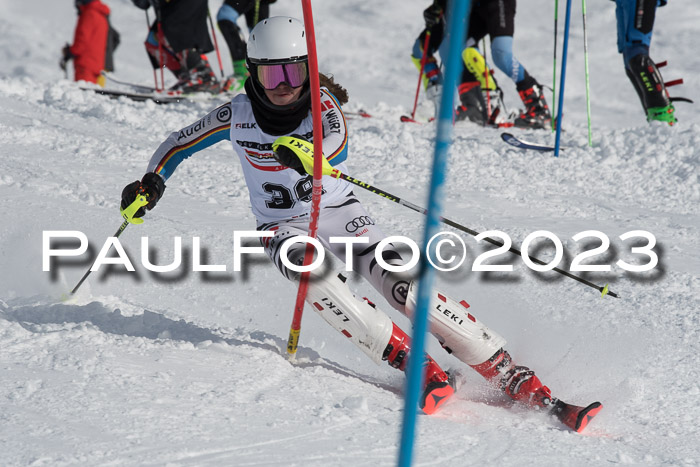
(189, 368)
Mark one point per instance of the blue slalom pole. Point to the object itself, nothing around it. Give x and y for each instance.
(563, 76)
(457, 20)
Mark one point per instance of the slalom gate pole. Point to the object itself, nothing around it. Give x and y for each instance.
(562, 79)
(128, 213)
(588, 86)
(293, 340)
(456, 32)
(148, 26)
(554, 65)
(423, 61)
(161, 38)
(256, 17)
(216, 43)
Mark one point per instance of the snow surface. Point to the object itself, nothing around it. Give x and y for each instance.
(190, 369)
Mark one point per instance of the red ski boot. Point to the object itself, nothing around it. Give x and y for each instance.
(519, 382)
(439, 386)
(521, 385)
(536, 114)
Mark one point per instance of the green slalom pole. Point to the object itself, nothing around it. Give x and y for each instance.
(588, 87)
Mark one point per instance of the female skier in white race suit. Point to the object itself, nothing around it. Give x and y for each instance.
(277, 103)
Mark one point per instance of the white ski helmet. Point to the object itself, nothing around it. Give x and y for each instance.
(279, 39)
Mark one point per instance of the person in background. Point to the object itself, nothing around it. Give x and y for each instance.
(635, 24)
(90, 42)
(182, 26)
(472, 104)
(254, 12)
(497, 19)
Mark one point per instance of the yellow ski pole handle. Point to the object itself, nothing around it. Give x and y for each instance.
(128, 213)
(304, 150)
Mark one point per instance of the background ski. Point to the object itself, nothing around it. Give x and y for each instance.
(160, 98)
(359, 113)
(138, 96)
(407, 119)
(518, 143)
(225, 87)
(134, 86)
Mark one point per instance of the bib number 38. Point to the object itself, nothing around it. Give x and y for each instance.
(284, 198)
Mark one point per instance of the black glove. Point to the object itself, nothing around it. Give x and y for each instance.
(151, 185)
(432, 15)
(143, 4)
(65, 57)
(288, 158)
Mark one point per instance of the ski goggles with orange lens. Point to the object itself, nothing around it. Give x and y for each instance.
(271, 76)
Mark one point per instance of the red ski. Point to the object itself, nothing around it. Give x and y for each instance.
(573, 416)
(359, 113)
(437, 393)
(407, 119)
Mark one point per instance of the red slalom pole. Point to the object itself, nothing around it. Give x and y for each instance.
(161, 37)
(293, 340)
(148, 26)
(216, 44)
(423, 61)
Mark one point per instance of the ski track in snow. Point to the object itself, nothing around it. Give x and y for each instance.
(189, 368)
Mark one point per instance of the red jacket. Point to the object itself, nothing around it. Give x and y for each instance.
(90, 41)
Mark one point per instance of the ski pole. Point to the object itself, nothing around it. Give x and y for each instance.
(148, 25)
(462, 228)
(216, 44)
(306, 157)
(423, 61)
(161, 38)
(588, 87)
(128, 215)
(256, 17)
(486, 78)
(554, 65)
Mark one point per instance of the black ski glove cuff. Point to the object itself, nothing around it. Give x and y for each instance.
(143, 4)
(432, 15)
(288, 158)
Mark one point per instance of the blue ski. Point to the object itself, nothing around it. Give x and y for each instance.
(518, 143)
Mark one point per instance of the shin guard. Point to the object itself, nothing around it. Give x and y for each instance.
(367, 327)
(456, 329)
(374, 332)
